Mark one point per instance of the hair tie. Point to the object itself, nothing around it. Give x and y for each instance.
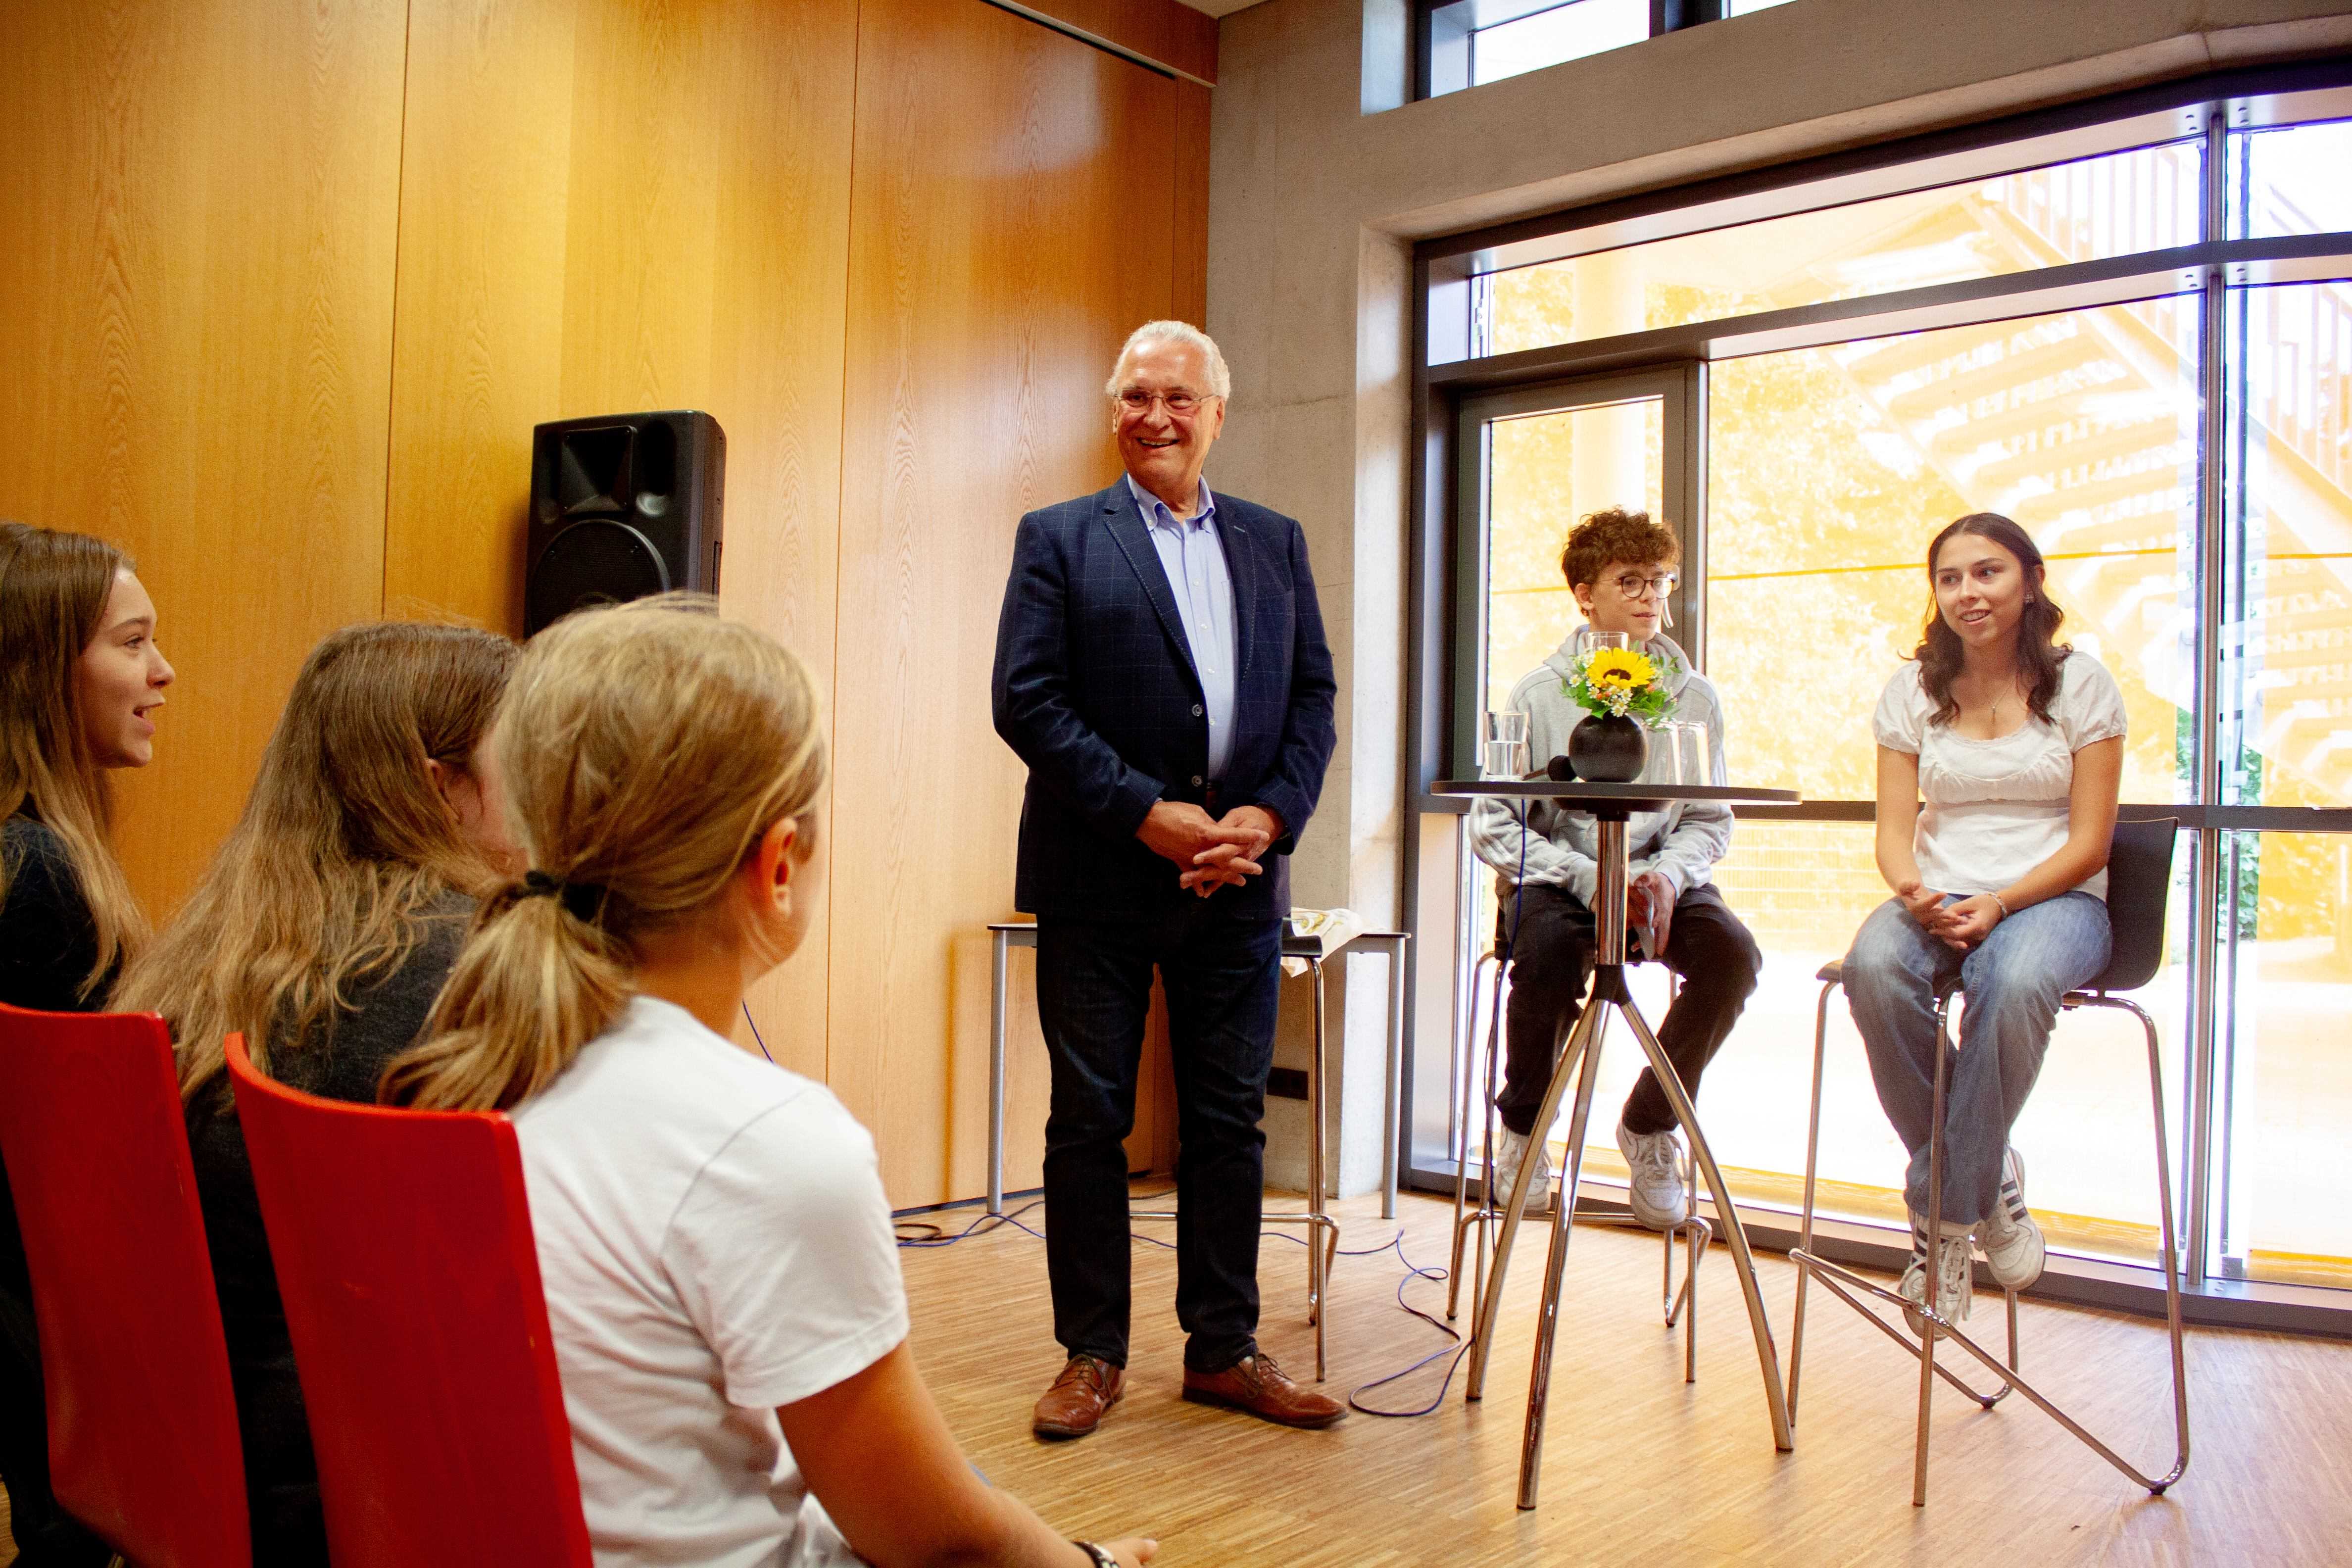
(582, 901)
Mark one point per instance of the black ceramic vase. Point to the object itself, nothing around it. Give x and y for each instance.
(1609, 749)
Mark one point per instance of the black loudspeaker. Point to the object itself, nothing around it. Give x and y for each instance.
(623, 506)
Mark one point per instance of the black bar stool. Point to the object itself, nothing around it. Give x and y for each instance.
(2139, 876)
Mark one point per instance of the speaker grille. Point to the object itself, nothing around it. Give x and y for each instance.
(595, 561)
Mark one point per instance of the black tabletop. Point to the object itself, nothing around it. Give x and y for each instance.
(1581, 795)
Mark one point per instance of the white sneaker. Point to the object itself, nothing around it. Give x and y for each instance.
(1510, 1149)
(1954, 1277)
(2012, 1243)
(1655, 1191)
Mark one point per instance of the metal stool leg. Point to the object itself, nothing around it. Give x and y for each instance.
(1467, 1060)
(997, 945)
(1482, 1217)
(1809, 1262)
(1813, 1161)
(1321, 1228)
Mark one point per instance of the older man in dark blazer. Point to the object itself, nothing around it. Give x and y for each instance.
(1161, 667)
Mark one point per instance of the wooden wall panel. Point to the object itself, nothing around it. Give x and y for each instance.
(993, 276)
(623, 204)
(1191, 236)
(197, 210)
(478, 360)
(1165, 31)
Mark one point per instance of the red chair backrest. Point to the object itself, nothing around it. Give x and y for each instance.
(143, 1423)
(410, 1277)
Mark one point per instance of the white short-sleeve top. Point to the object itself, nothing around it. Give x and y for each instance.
(1995, 809)
(714, 1242)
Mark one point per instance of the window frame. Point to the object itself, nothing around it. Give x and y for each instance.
(1450, 385)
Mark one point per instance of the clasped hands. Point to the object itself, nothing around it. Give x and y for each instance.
(1960, 926)
(1650, 907)
(1211, 852)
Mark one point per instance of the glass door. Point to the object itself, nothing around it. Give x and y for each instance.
(1537, 461)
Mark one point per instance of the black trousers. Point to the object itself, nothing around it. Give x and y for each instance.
(1551, 960)
(1223, 975)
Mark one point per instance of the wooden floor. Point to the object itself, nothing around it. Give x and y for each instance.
(1639, 1468)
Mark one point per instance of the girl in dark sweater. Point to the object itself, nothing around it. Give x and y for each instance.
(322, 931)
(80, 678)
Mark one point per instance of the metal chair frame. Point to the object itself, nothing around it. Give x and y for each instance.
(1695, 1232)
(1844, 1283)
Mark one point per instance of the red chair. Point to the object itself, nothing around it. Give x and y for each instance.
(143, 1445)
(405, 1257)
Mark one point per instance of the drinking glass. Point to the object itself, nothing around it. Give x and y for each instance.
(1689, 752)
(1608, 639)
(1503, 744)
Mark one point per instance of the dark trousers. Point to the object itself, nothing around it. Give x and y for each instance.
(1223, 977)
(1551, 959)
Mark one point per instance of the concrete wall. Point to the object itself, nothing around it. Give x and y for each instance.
(1321, 176)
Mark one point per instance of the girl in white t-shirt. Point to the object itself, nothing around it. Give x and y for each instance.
(721, 1275)
(2015, 743)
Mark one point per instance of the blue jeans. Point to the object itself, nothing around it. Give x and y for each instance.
(2013, 979)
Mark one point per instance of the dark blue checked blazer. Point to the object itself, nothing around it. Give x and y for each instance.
(1095, 689)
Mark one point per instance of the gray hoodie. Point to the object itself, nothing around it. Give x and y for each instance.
(1684, 841)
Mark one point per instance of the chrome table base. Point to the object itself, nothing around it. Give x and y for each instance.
(1582, 1059)
(1694, 1233)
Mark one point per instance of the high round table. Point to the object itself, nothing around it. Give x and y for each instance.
(1609, 806)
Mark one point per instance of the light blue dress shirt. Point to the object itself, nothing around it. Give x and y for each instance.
(1195, 559)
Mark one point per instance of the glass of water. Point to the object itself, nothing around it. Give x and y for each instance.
(1503, 744)
(1689, 751)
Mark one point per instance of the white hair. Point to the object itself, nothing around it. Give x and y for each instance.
(1221, 380)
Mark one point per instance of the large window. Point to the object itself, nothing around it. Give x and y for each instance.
(2131, 334)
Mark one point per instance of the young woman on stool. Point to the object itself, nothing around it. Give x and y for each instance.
(80, 678)
(721, 1274)
(2016, 742)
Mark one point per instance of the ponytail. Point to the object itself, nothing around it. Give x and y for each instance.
(535, 982)
(645, 748)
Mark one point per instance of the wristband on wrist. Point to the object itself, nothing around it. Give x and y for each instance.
(1103, 1559)
(1996, 898)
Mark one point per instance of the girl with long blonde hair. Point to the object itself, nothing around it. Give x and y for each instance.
(721, 1273)
(322, 931)
(80, 678)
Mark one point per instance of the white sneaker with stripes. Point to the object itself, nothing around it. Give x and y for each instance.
(2012, 1243)
(1954, 1270)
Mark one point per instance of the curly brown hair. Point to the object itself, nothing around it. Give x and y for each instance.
(1616, 535)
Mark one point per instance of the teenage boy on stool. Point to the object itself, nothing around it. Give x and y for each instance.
(1621, 566)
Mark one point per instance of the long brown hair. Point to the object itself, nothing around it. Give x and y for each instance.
(330, 876)
(645, 749)
(54, 588)
(2038, 654)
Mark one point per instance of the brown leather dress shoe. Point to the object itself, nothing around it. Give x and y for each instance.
(1074, 1406)
(1256, 1384)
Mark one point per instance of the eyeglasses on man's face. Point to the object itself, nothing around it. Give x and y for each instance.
(1179, 403)
(1637, 587)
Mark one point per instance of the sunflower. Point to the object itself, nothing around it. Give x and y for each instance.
(1618, 668)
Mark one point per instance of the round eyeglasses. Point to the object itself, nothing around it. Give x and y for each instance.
(1638, 588)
